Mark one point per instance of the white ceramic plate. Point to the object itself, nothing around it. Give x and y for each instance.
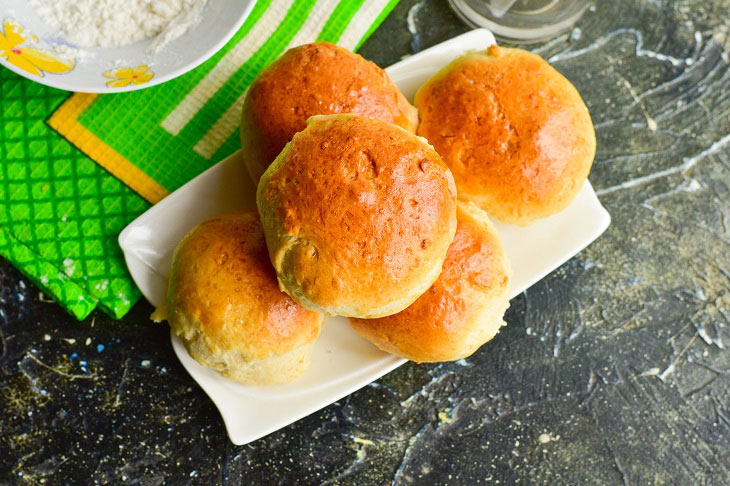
(342, 362)
(219, 20)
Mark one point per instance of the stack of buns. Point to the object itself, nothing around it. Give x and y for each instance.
(366, 213)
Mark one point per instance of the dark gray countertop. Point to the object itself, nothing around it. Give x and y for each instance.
(613, 370)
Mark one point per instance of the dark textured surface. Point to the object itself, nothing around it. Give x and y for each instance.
(613, 370)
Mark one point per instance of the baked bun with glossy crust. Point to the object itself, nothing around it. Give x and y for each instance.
(462, 310)
(224, 303)
(314, 79)
(514, 132)
(358, 216)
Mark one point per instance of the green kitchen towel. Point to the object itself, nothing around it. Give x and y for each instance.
(60, 213)
(157, 139)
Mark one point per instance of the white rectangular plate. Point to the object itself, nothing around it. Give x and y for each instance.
(342, 362)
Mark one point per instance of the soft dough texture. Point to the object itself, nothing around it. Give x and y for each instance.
(462, 310)
(358, 216)
(514, 132)
(314, 79)
(223, 301)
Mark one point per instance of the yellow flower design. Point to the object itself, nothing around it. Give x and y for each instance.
(123, 77)
(28, 59)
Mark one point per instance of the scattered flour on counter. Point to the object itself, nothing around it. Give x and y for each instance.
(547, 437)
(111, 23)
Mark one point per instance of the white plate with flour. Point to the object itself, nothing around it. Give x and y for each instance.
(45, 40)
(342, 362)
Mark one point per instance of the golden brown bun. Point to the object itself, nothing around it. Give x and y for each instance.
(462, 310)
(223, 301)
(514, 132)
(314, 79)
(358, 216)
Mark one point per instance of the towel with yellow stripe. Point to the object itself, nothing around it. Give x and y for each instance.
(157, 139)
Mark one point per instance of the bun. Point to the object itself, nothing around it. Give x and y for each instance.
(514, 132)
(224, 303)
(358, 216)
(462, 310)
(314, 79)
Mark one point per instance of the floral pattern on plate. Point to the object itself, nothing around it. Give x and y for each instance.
(123, 77)
(33, 61)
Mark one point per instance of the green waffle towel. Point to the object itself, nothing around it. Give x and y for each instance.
(61, 213)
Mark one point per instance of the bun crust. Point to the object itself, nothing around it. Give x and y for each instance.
(223, 301)
(462, 310)
(314, 79)
(358, 216)
(514, 132)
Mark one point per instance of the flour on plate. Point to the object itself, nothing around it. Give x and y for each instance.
(113, 23)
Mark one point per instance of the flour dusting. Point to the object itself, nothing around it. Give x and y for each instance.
(111, 23)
